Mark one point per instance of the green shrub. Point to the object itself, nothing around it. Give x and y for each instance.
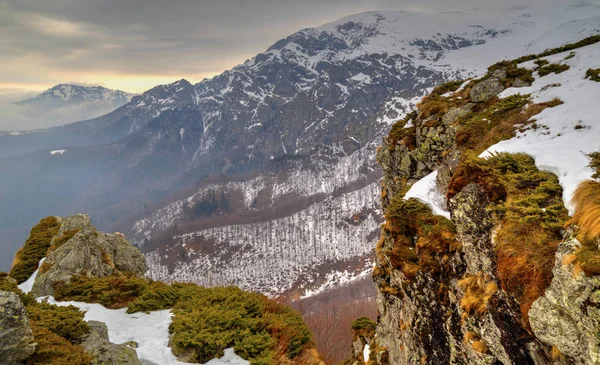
(66, 322)
(593, 74)
(211, 320)
(553, 68)
(35, 248)
(112, 291)
(157, 296)
(53, 349)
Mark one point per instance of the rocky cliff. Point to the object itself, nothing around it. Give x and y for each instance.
(474, 265)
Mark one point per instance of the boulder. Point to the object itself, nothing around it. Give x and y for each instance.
(16, 339)
(78, 248)
(567, 316)
(486, 89)
(103, 352)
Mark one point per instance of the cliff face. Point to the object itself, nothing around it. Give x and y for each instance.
(471, 267)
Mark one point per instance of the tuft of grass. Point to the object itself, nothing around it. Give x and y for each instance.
(421, 239)
(586, 202)
(480, 347)
(593, 74)
(400, 132)
(527, 204)
(53, 349)
(567, 47)
(594, 158)
(497, 120)
(478, 292)
(36, 246)
(260, 330)
(62, 239)
(553, 68)
(570, 55)
(449, 86)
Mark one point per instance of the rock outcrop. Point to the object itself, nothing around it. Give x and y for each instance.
(97, 345)
(568, 315)
(446, 304)
(78, 248)
(16, 339)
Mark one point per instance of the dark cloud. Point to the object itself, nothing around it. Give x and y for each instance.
(45, 42)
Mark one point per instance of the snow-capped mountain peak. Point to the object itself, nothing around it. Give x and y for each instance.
(76, 94)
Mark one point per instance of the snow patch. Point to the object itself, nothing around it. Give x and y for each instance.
(557, 146)
(57, 152)
(426, 191)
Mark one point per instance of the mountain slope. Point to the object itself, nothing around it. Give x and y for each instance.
(288, 134)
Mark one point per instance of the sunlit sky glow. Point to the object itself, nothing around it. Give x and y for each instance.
(133, 45)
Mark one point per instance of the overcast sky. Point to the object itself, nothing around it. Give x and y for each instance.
(133, 45)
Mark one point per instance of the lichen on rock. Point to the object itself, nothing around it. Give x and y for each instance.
(16, 339)
(86, 252)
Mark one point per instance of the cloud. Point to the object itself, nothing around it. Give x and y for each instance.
(46, 42)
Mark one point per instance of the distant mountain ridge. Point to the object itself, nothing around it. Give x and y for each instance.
(253, 165)
(64, 94)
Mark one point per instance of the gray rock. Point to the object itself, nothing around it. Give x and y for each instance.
(16, 339)
(103, 352)
(568, 315)
(89, 253)
(486, 89)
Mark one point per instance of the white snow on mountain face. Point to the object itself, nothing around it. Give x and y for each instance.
(270, 257)
(77, 93)
(567, 132)
(375, 48)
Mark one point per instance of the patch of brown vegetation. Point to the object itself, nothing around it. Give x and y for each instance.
(478, 292)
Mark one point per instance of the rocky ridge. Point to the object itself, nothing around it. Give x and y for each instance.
(450, 290)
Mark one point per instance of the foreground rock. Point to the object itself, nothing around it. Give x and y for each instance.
(16, 339)
(568, 315)
(97, 345)
(78, 248)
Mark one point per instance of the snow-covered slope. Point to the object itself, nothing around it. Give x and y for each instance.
(564, 135)
(567, 132)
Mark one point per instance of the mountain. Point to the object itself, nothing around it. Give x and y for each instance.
(264, 176)
(59, 105)
(489, 252)
(65, 95)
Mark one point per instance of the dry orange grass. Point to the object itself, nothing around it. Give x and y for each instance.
(478, 292)
(586, 201)
(525, 261)
(480, 347)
